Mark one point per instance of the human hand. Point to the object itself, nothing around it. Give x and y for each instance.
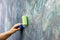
(15, 28)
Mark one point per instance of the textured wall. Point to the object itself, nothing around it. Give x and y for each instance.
(43, 15)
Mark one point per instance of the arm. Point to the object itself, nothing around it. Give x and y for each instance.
(4, 36)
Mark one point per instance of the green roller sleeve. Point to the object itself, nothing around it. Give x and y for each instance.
(24, 20)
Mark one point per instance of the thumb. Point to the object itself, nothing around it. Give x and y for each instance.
(18, 29)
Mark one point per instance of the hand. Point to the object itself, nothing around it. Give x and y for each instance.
(15, 28)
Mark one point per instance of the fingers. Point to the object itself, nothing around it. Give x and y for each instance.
(16, 25)
(18, 29)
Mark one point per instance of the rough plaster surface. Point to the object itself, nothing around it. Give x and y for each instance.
(43, 15)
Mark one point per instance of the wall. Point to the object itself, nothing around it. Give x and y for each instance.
(43, 15)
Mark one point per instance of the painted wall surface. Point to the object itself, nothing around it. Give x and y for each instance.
(43, 15)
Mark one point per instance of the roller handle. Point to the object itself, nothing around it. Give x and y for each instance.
(21, 26)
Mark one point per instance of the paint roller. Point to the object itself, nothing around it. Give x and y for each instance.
(24, 22)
